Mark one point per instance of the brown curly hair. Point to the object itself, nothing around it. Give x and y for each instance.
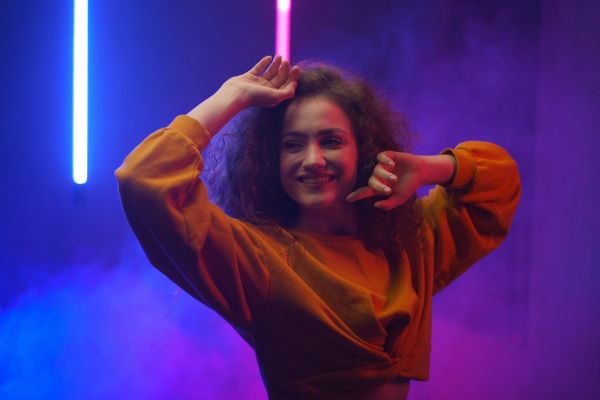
(250, 187)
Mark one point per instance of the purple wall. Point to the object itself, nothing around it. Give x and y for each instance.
(564, 300)
(83, 315)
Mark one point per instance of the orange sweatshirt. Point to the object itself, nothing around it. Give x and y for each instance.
(328, 318)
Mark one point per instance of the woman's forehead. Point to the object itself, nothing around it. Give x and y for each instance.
(315, 114)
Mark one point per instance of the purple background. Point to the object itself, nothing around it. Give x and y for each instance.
(83, 315)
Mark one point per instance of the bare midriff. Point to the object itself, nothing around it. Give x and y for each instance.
(394, 390)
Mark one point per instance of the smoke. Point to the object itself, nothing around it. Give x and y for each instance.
(95, 333)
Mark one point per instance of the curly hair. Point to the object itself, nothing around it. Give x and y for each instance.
(250, 188)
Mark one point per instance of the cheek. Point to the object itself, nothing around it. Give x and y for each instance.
(351, 163)
(283, 165)
(286, 172)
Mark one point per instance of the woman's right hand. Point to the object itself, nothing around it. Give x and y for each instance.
(252, 89)
(397, 176)
(276, 84)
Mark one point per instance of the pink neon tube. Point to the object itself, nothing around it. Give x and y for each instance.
(282, 40)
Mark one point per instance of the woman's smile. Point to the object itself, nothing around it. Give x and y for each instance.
(318, 154)
(316, 179)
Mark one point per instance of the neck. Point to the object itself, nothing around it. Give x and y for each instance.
(337, 221)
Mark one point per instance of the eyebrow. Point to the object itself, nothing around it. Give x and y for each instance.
(321, 132)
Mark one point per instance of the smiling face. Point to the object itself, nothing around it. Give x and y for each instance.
(318, 154)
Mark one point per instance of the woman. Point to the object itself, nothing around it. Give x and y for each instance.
(327, 262)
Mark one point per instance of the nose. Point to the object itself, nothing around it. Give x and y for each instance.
(314, 157)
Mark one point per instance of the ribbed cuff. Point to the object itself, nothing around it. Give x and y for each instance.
(192, 129)
(465, 171)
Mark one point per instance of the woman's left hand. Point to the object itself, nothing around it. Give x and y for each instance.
(398, 175)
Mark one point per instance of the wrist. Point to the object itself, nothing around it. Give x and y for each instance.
(440, 169)
(231, 99)
(453, 170)
(217, 110)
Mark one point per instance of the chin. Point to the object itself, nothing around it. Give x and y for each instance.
(314, 205)
(318, 204)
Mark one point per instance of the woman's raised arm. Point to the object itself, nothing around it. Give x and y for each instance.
(276, 84)
(216, 259)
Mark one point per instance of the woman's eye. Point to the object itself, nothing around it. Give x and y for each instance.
(332, 141)
(292, 145)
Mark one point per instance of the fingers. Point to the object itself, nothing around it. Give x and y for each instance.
(375, 188)
(282, 75)
(273, 69)
(289, 87)
(389, 203)
(378, 183)
(279, 73)
(383, 175)
(285, 81)
(260, 66)
(385, 204)
(385, 159)
(293, 76)
(379, 186)
(389, 180)
(359, 194)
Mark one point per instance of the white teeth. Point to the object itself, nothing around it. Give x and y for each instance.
(318, 179)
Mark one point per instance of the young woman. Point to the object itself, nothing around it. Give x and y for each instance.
(325, 262)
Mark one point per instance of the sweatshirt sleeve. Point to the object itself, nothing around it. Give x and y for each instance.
(471, 216)
(217, 259)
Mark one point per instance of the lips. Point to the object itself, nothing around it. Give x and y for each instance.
(315, 179)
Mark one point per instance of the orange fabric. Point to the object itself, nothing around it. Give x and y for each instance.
(327, 317)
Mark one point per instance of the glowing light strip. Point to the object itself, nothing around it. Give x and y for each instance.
(282, 40)
(80, 91)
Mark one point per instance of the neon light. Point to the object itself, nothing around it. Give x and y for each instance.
(282, 40)
(80, 90)
(284, 5)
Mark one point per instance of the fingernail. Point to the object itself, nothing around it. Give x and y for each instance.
(390, 163)
(387, 190)
(393, 178)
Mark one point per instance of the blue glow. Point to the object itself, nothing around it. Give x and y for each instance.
(95, 333)
(80, 91)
